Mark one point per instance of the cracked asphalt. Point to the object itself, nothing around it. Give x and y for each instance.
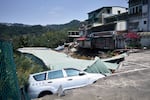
(130, 82)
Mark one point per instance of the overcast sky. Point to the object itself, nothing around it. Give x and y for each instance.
(51, 11)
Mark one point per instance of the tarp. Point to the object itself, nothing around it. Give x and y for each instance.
(98, 67)
(112, 66)
(56, 60)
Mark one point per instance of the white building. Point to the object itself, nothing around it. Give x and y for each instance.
(96, 17)
(72, 35)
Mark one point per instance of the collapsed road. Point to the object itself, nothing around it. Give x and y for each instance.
(130, 82)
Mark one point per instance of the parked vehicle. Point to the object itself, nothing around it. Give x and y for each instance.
(48, 82)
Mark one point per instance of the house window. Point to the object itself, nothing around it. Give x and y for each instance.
(145, 22)
(136, 10)
(131, 10)
(108, 11)
(140, 9)
(118, 11)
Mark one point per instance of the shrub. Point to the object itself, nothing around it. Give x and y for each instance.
(25, 66)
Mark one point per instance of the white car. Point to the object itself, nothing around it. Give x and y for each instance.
(48, 82)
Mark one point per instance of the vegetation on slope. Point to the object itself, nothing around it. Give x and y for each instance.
(37, 35)
(34, 36)
(25, 66)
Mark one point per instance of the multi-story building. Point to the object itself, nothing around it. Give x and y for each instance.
(139, 15)
(96, 17)
(139, 20)
(72, 35)
(106, 27)
(103, 25)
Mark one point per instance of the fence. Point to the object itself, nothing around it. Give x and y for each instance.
(9, 88)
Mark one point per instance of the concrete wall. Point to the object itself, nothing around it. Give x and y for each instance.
(116, 9)
(143, 19)
(145, 41)
(149, 15)
(121, 26)
(139, 24)
(143, 26)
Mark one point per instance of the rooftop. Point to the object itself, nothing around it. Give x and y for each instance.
(105, 7)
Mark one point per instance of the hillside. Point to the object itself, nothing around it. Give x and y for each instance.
(37, 35)
(74, 25)
(11, 29)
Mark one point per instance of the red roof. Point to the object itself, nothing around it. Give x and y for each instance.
(81, 39)
(132, 35)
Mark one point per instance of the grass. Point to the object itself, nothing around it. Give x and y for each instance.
(25, 66)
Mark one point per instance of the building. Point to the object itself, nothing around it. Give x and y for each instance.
(139, 20)
(104, 28)
(139, 15)
(96, 17)
(72, 35)
(120, 28)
